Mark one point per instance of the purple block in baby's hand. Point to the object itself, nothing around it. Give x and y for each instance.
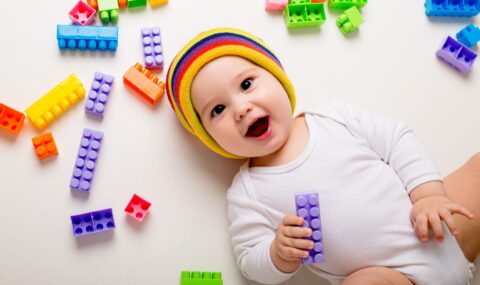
(309, 209)
(99, 93)
(92, 222)
(86, 160)
(152, 48)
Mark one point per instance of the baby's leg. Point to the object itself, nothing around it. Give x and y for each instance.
(376, 276)
(463, 188)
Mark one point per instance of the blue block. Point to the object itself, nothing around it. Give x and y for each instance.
(469, 36)
(87, 37)
(452, 8)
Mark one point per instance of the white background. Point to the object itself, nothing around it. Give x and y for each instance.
(388, 66)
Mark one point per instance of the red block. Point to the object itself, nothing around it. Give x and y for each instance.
(137, 207)
(11, 120)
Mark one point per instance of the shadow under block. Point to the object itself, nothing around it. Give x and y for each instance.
(457, 55)
(92, 222)
(100, 38)
(86, 161)
(11, 120)
(308, 208)
(55, 102)
(44, 146)
(452, 8)
(144, 83)
(200, 278)
(304, 15)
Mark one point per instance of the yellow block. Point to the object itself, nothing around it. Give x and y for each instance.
(57, 100)
(157, 2)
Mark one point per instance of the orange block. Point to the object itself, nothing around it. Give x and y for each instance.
(144, 82)
(318, 1)
(44, 146)
(11, 120)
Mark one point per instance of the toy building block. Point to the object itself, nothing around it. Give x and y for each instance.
(349, 20)
(87, 37)
(11, 120)
(82, 14)
(44, 146)
(55, 102)
(452, 8)
(152, 48)
(200, 278)
(154, 3)
(319, 1)
(457, 55)
(146, 84)
(343, 4)
(309, 209)
(85, 163)
(137, 207)
(275, 5)
(92, 222)
(108, 11)
(99, 93)
(469, 36)
(136, 3)
(304, 15)
(94, 4)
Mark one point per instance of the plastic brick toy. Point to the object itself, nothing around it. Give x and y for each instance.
(137, 207)
(304, 15)
(92, 222)
(82, 14)
(146, 84)
(452, 8)
(308, 208)
(108, 11)
(152, 48)
(275, 5)
(154, 3)
(200, 278)
(94, 3)
(87, 37)
(56, 101)
(85, 163)
(469, 36)
(136, 3)
(11, 120)
(342, 4)
(349, 20)
(44, 146)
(456, 54)
(99, 93)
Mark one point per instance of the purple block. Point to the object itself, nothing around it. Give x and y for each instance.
(309, 209)
(86, 160)
(92, 222)
(152, 48)
(456, 54)
(99, 93)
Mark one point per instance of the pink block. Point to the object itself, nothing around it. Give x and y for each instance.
(82, 14)
(275, 5)
(137, 207)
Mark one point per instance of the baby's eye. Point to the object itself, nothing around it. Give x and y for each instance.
(246, 84)
(217, 110)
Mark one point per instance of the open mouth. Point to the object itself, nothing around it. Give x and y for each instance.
(258, 128)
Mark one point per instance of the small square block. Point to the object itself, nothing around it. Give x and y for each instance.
(11, 120)
(349, 20)
(469, 36)
(309, 209)
(44, 146)
(275, 5)
(457, 55)
(152, 48)
(99, 94)
(137, 207)
(82, 14)
(92, 222)
(200, 278)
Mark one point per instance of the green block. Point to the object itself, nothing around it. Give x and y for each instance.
(136, 3)
(295, 2)
(107, 5)
(304, 15)
(343, 4)
(108, 11)
(201, 278)
(349, 20)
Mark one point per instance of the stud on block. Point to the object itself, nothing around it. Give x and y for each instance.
(457, 55)
(308, 208)
(93, 38)
(275, 5)
(86, 160)
(144, 83)
(304, 15)
(469, 36)
(44, 146)
(92, 222)
(99, 94)
(11, 120)
(82, 14)
(137, 207)
(349, 20)
(152, 48)
(200, 278)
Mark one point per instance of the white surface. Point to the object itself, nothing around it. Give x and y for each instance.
(389, 66)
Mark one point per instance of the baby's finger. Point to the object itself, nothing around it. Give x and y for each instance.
(448, 219)
(292, 220)
(297, 232)
(436, 225)
(456, 209)
(421, 227)
(291, 253)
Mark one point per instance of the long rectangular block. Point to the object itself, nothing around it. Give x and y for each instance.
(304, 15)
(92, 222)
(11, 120)
(309, 209)
(152, 48)
(136, 3)
(452, 8)
(457, 55)
(343, 4)
(146, 84)
(99, 93)
(55, 102)
(469, 36)
(101, 38)
(200, 278)
(86, 160)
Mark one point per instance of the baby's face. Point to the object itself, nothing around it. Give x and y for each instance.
(242, 106)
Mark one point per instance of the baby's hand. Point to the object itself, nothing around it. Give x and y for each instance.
(431, 211)
(289, 243)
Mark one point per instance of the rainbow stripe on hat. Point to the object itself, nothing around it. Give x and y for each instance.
(204, 48)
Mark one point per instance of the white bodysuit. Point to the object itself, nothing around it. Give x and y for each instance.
(363, 166)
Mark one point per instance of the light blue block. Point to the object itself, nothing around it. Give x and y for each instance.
(92, 37)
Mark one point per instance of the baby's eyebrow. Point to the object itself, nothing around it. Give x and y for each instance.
(242, 74)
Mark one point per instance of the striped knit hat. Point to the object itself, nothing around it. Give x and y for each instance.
(204, 48)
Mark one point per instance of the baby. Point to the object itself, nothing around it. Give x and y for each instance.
(381, 196)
